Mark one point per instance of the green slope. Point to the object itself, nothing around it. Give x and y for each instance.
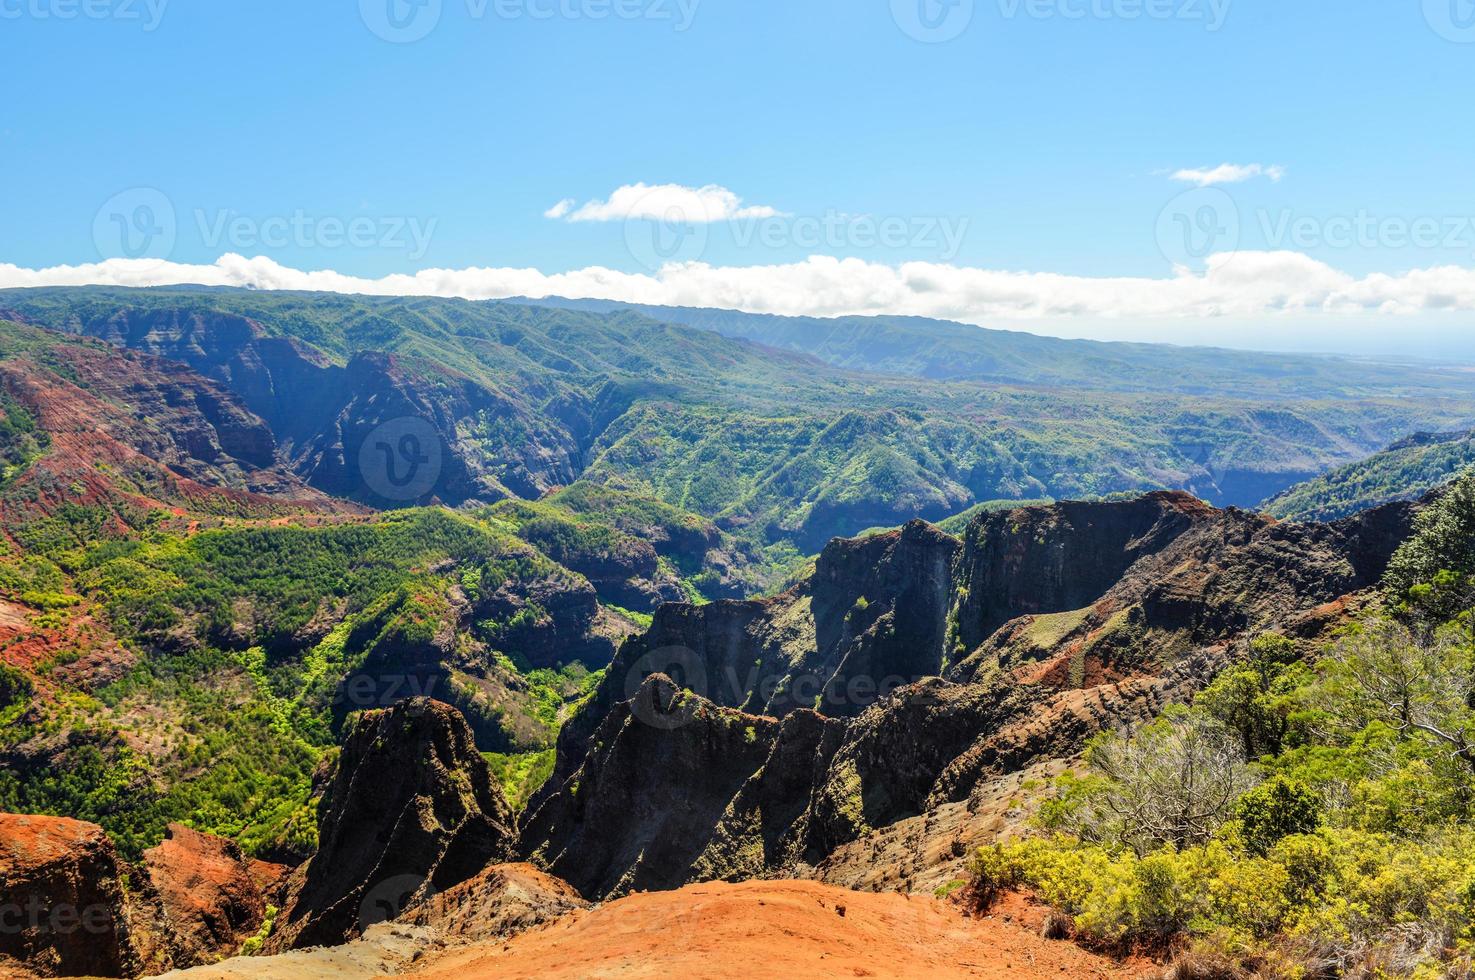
(784, 449)
(1406, 470)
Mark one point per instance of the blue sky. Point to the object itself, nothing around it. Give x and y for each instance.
(1042, 138)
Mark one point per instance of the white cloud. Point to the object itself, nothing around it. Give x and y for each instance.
(663, 202)
(1244, 285)
(1229, 173)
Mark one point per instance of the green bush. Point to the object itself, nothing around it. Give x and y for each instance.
(1276, 809)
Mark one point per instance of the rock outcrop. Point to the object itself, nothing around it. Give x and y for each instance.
(210, 895)
(871, 619)
(502, 901)
(62, 907)
(410, 808)
(661, 772)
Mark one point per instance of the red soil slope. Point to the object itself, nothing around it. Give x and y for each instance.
(795, 930)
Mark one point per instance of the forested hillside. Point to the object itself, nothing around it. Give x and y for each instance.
(1406, 470)
(781, 448)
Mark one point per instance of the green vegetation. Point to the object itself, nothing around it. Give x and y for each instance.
(521, 774)
(1299, 819)
(257, 640)
(785, 451)
(1404, 471)
(959, 522)
(21, 441)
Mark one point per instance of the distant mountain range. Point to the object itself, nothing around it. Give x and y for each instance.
(942, 350)
(784, 431)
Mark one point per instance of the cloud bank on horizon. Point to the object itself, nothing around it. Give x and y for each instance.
(1232, 285)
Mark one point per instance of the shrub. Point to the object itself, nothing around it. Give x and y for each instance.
(1275, 810)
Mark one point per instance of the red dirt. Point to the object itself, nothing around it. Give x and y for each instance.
(796, 930)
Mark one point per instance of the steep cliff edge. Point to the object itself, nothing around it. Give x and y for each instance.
(1050, 624)
(62, 899)
(481, 443)
(409, 809)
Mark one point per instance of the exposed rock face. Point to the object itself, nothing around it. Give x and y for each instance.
(637, 814)
(1061, 557)
(880, 612)
(483, 445)
(1064, 621)
(410, 808)
(871, 619)
(129, 431)
(61, 899)
(502, 901)
(209, 894)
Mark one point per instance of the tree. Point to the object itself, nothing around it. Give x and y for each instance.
(1275, 810)
(1255, 697)
(1443, 540)
(1172, 783)
(1419, 683)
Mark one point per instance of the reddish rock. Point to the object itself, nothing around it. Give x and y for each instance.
(62, 907)
(270, 879)
(502, 901)
(210, 900)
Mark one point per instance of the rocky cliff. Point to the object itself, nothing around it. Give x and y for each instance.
(61, 896)
(481, 443)
(135, 433)
(70, 907)
(210, 896)
(409, 809)
(1041, 628)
